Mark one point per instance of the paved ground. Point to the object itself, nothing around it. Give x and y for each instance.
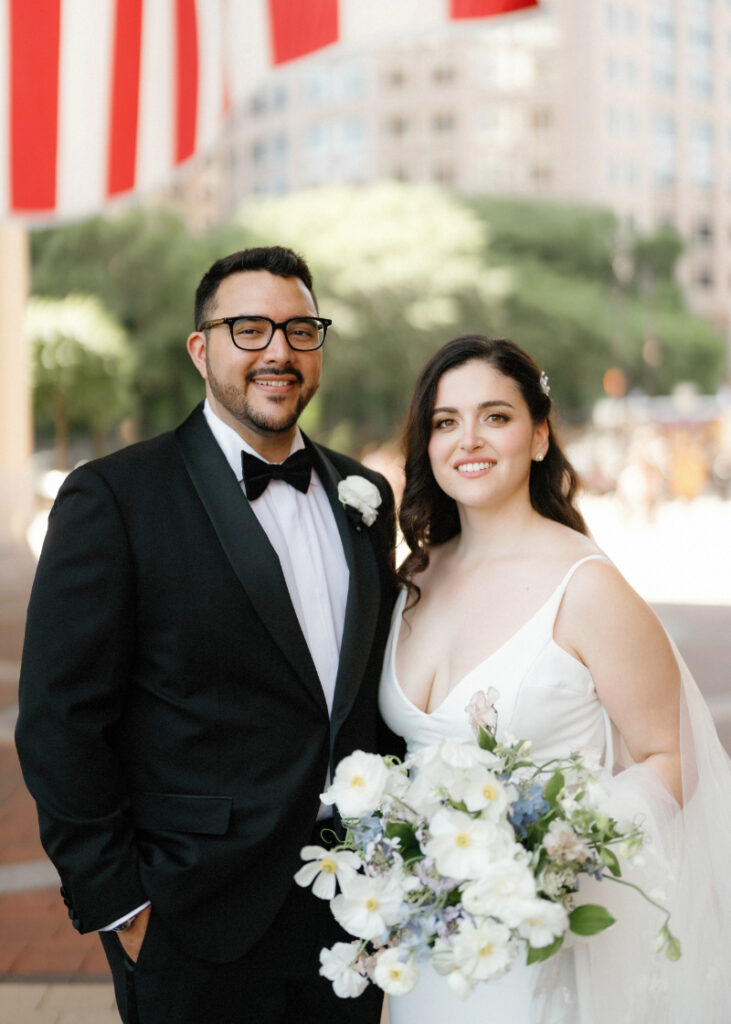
(51, 975)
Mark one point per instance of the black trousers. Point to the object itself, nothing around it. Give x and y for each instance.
(276, 982)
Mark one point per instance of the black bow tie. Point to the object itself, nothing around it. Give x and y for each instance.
(295, 470)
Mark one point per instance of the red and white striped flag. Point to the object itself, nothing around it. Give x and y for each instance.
(102, 98)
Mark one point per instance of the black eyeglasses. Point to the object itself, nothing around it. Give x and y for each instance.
(250, 333)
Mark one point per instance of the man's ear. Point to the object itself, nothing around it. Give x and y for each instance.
(196, 345)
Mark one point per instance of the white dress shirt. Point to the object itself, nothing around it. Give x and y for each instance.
(302, 530)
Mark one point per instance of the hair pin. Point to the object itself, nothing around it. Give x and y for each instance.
(545, 386)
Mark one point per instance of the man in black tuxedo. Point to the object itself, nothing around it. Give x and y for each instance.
(203, 646)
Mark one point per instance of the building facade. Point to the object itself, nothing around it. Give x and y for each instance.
(624, 104)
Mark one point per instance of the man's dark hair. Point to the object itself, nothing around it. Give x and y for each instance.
(274, 258)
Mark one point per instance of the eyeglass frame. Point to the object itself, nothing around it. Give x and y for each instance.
(231, 320)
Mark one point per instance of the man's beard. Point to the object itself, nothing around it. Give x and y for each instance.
(234, 400)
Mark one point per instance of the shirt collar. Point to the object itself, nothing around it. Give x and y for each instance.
(232, 444)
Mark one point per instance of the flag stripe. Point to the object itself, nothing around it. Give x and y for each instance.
(486, 8)
(34, 61)
(124, 104)
(186, 74)
(83, 105)
(212, 69)
(302, 27)
(156, 133)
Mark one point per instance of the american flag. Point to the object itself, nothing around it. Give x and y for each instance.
(104, 98)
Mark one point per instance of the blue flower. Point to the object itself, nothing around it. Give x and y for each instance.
(529, 807)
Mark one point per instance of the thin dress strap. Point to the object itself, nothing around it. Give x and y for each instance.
(558, 598)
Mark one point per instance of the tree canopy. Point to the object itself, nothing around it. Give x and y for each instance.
(402, 268)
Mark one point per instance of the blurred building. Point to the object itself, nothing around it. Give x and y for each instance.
(618, 103)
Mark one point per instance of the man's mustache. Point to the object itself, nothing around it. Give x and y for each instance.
(291, 371)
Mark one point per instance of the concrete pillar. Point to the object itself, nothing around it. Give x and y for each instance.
(16, 431)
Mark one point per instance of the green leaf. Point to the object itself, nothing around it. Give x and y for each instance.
(553, 787)
(486, 740)
(590, 919)
(610, 859)
(537, 954)
(409, 847)
(400, 830)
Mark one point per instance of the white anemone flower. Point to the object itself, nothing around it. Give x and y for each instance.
(481, 790)
(324, 867)
(367, 906)
(459, 843)
(501, 891)
(464, 753)
(483, 950)
(337, 967)
(393, 974)
(359, 784)
(543, 921)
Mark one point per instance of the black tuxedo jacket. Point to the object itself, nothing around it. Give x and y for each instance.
(172, 726)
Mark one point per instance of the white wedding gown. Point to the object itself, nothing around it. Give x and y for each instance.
(548, 697)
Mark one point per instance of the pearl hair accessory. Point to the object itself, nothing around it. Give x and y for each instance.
(545, 386)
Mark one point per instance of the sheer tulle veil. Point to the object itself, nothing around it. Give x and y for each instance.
(686, 866)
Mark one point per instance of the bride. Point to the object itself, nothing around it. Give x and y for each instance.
(503, 587)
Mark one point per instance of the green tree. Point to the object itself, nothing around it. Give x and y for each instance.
(144, 266)
(82, 368)
(396, 267)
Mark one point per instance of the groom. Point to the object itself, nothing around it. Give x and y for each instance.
(203, 646)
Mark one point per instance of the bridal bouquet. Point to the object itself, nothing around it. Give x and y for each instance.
(462, 855)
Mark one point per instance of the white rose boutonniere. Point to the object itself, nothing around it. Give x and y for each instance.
(360, 495)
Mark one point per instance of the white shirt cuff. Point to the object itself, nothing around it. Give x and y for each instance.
(125, 917)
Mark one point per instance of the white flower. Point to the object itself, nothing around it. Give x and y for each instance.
(459, 983)
(501, 891)
(483, 950)
(480, 790)
(482, 711)
(543, 922)
(337, 967)
(459, 843)
(367, 906)
(562, 842)
(394, 975)
(555, 881)
(361, 495)
(359, 784)
(464, 753)
(324, 867)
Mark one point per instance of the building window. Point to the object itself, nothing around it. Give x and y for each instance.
(701, 153)
(397, 126)
(396, 78)
(664, 148)
(443, 123)
(542, 119)
(704, 231)
(351, 80)
(444, 174)
(704, 277)
(663, 73)
(443, 74)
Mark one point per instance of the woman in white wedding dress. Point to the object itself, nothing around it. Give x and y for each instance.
(504, 588)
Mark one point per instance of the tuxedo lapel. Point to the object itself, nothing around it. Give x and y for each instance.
(361, 610)
(246, 545)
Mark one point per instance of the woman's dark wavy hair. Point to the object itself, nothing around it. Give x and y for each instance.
(428, 516)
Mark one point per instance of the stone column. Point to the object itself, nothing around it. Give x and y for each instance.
(16, 431)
